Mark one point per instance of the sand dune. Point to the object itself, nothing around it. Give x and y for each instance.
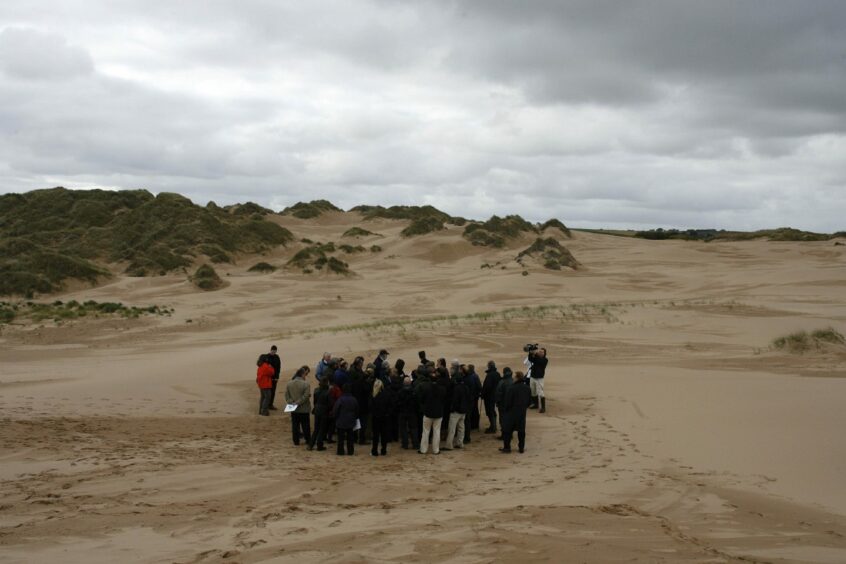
(674, 433)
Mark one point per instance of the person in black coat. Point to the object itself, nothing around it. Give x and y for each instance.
(516, 403)
(492, 378)
(432, 402)
(321, 414)
(345, 412)
(380, 412)
(475, 385)
(504, 383)
(273, 360)
(407, 415)
(361, 390)
(459, 407)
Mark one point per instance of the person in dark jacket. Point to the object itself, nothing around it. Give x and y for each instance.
(274, 361)
(474, 384)
(517, 399)
(407, 415)
(342, 375)
(380, 412)
(432, 400)
(361, 390)
(381, 366)
(321, 414)
(538, 361)
(346, 414)
(504, 383)
(492, 378)
(459, 407)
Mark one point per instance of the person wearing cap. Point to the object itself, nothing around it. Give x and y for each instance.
(274, 361)
(537, 361)
(517, 399)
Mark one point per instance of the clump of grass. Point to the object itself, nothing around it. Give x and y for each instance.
(359, 232)
(349, 249)
(556, 224)
(309, 210)
(375, 249)
(422, 226)
(205, 278)
(316, 257)
(63, 311)
(262, 267)
(802, 341)
(497, 230)
(554, 255)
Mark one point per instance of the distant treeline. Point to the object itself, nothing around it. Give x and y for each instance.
(781, 234)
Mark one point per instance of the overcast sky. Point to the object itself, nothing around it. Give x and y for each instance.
(728, 114)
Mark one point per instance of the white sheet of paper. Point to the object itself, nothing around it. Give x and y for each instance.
(357, 425)
(290, 407)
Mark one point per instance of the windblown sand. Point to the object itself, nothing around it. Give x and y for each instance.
(673, 433)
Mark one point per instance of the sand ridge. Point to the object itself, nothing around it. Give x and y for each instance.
(674, 432)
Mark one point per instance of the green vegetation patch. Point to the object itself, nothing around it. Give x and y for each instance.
(63, 311)
(57, 234)
(309, 210)
(497, 230)
(553, 255)
(423, 225)
(262, 267)
(317, 257)
(802, 341)
(349, 249)
(205, 278)
(375, 249)
(556, 224)
(359, 232)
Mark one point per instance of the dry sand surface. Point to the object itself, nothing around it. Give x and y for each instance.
(673, 432)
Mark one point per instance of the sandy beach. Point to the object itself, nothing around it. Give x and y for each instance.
(674, 431)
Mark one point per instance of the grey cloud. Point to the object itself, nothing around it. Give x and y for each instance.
(31, 54)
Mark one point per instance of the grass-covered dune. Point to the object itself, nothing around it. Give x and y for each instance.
(50, 236)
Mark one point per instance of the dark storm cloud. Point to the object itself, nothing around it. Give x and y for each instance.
(644, 113)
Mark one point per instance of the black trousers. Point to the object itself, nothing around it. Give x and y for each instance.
(264, 400)
(408, 428)
(301, 425)
(490, 412)
(321, 424)
(380, 429)
(346, 436)
(362, 433)
(514, 422)
(474, 416)
(273, 392)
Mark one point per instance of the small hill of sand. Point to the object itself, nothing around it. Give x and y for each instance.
(675, 432)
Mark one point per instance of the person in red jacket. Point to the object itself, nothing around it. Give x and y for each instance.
(264, 379)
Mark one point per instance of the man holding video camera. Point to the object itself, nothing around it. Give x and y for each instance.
(536, 362)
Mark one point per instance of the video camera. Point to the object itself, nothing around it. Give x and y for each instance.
(529, 348)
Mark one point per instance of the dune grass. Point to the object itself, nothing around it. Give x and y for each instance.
(803, 341)
(205, 278)
(359, 232)
(49, 236)
(63, 311)
(496, 231)
(262, 267)
(553, 255)
(309, 210)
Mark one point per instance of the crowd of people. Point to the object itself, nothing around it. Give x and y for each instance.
(376, 404)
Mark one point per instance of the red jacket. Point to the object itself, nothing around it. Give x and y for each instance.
(264, 375)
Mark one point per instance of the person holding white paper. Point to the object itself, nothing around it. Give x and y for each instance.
(298, 392)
